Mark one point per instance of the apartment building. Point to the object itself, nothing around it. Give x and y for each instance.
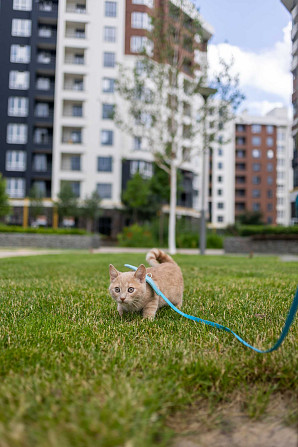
(28, 33)
(292, 7)
(90, 152)
(59, 66)
(263, 172)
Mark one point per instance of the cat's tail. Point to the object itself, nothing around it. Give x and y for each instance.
(155, 257)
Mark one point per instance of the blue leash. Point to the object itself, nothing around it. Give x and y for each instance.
(284, 332)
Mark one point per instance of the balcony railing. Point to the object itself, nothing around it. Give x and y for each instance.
(76, 114)
(73, 34)
(45, 115)
(69, 140)
(76, 9)
(48, 6)
(46, 59)
(74, 60)
(45, 140)
(47, 33)
(74, 87)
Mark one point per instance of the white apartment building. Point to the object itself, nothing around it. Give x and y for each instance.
(88, 149)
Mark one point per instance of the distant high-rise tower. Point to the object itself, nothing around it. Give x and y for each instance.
(292, 7)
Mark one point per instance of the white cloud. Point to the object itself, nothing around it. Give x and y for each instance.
(265, 73)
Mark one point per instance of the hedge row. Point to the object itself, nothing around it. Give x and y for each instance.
(18, 229)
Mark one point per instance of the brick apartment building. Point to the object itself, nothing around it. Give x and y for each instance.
(263, 173)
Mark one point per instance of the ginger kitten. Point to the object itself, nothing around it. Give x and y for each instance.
(132, 293)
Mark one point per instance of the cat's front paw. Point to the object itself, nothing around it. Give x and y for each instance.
(120, 310)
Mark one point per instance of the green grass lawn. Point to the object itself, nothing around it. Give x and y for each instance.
(73, 374)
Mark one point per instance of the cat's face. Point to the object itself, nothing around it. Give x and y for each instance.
(128, 288)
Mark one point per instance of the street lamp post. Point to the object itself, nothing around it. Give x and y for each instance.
(205, 92)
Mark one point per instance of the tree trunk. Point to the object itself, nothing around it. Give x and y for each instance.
(173, 202)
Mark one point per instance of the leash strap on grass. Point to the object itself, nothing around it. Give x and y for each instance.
(284, 332)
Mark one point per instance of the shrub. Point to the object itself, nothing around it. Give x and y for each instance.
(136, 236)
(251, 230)
(18, 229)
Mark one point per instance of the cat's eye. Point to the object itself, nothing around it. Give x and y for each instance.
(130, 289)
(117, 289)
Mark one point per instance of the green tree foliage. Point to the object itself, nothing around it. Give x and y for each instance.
(136, 196)
(5, 207)
(251, 218)
(36, 203)
(91, 209)
(67, 203)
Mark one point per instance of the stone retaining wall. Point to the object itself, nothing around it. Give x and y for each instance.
(266, 246)
(70, 241)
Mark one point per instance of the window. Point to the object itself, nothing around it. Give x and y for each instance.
(256, 141)
(44, 57)
(148, 3)
(256, 193)
(256, 153)
(256, 180)
(75, 163)
(45, 31)
(41, 187)
(280, 214)
(108, 111)
(109, 59)
(17, 106)
(22, 5)
(280, 201)
(19, 80)
(15, 161)
(17, 134)
(40, 163)
(256, 167)
(219, 179)
(256, 128)
(15, 187)
(21, 28)
(20, 54)
(76, 136)
(137, 43)
(77, 110)
(269, 141)
(41, 136)
(220, 165)
(269, 220)
(219, 152)
(109, 34)
(269, 167)
(137, 143)
(140, 20)
(240, 153)
(256, 207)
(281, 162)
(281, 134)
(220, 205)
(270, 180)
(75, 186)
(108, 85)
(104, 190)
(43, 83)
(240, 141)
(269, 193)
(219, 192)
(240, 128)
(42, 109)
(240, 166)
(110, 9)
(107, 137)
(269, 207)
(104, 164)
(280, 149)
(143, 167)
(270, 153)
(280, 175)
(269, 129)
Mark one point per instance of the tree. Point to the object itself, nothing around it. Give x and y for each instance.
(36, 203)
(91, 209)
(5, 207)
(160, 98)
(251, 218)
(67, 203)
(136, 196)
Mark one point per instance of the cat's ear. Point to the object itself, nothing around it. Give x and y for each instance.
(113, 273)
(140, 274)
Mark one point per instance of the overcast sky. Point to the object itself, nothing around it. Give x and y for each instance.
(257, 33)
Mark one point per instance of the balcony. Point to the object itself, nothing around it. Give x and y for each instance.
(44, 116)
(72, 136)
(43, 141)
(75, 34)
(74, 59)
(47, 36)
(74, 86)
(46, 62)
(74, 8)
(44, 89)
(48, 9)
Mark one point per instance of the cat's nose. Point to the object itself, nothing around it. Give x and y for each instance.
(122, 299)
